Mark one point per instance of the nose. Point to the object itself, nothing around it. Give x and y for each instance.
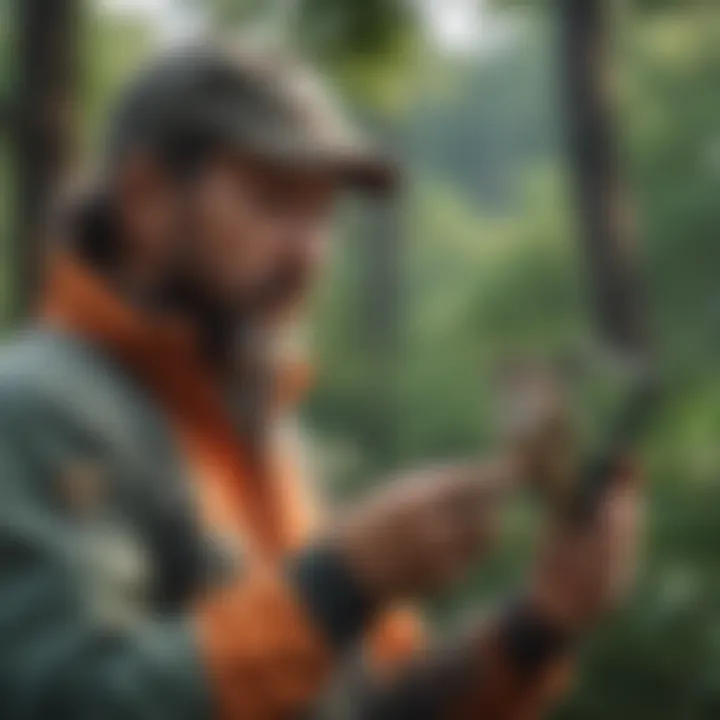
(310, 248)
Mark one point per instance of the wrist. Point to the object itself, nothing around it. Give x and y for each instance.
(363, 556)
(533, 637)
(565, 609)
(338, 603)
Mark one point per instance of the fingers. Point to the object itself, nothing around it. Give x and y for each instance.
(422, 531)
(627, 474)
(462, 515)
(476, 485)
(589, 569)
(622, 520)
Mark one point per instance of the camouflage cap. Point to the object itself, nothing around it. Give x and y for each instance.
(263, 103)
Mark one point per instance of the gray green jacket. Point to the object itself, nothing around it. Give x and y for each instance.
(98, 546)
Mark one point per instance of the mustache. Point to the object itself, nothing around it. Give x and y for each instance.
(285, 286)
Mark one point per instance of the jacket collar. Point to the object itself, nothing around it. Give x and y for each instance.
(162, 350)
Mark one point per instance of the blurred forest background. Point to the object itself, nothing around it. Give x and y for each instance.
(481, 262)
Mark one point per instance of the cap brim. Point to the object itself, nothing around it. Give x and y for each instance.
(356, 165)
(365, 172)
(369, 173)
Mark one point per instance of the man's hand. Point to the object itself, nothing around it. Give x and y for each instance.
(421, 532)
(585, 570)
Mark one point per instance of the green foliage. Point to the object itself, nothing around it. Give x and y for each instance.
(116, 48)
(335, 30)
(365, 46)
(229, 13)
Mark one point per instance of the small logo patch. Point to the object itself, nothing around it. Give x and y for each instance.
(82, 487)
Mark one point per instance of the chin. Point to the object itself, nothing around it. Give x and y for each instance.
(284, 309)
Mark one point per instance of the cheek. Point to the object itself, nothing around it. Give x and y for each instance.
(319, 250)
(235, 245)
(259, 251)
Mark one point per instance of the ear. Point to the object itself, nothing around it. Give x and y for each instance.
(147, 206)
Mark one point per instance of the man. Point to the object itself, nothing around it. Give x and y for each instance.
(159, 556)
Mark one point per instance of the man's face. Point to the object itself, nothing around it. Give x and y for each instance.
(257, 234)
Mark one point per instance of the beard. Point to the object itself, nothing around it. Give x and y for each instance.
(224, 316)
(229, 324)
(276, 295)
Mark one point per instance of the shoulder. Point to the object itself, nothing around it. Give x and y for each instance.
(54, 381)
(31, 419)
(63, 403)
(37, 370)
(26, 363)
(60, 395)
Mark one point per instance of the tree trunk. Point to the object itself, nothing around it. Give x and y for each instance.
(604, 210)
(381, 303)
(44, 118)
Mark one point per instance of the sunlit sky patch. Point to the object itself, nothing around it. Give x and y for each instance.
(456, 25)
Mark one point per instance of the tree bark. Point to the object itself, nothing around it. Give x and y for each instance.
(381, 300)
(43, 127)
(381, 303)
(603, 206)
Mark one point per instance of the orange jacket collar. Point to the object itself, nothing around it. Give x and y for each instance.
(77, 300)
